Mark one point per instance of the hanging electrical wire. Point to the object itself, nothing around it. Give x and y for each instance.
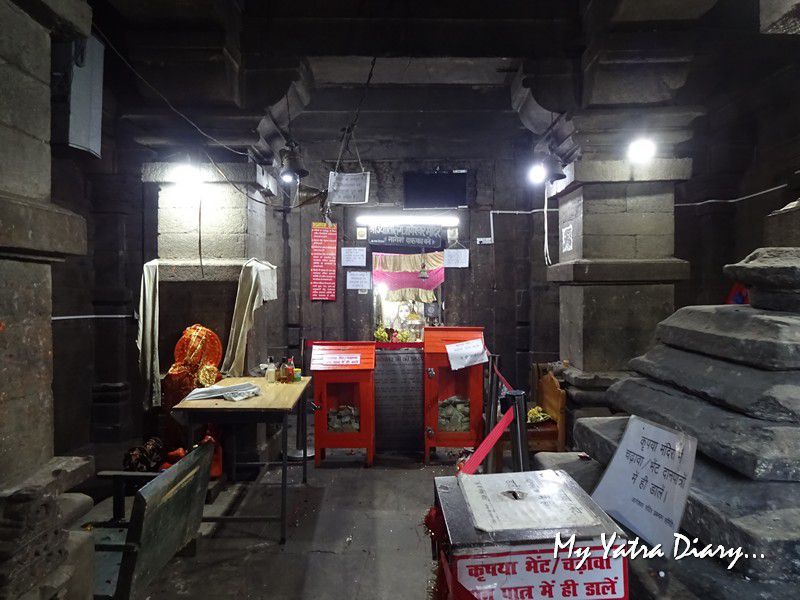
(166, 100)
(348, 133)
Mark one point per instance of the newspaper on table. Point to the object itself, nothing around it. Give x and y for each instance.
(232, 393)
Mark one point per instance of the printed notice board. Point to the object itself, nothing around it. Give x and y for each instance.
(322, 278)
(647, 482)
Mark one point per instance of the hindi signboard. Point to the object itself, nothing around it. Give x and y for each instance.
(322, 274)
(354, 256)
(359, 280)
(348, 188)
(537, 571)
(412, 236)
(647, 481)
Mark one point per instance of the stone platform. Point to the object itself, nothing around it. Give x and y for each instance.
(724, 507)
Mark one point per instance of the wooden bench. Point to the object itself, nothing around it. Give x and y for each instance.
(547, 436)
(164, 520)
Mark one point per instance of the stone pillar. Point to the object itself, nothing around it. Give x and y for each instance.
(616, 238)
(116, 416)
(33, 233)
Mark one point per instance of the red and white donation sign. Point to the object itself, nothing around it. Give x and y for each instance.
(533, 572)
(322, 275)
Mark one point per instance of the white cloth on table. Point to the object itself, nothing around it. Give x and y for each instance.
(147, 335)
(257, 284)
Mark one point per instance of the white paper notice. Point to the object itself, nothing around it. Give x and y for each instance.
(646, 484)
(348, 188)
(359, 280)
(466, 354)
(533, 500)
(456, 258)
(354, 257)
(341, 359)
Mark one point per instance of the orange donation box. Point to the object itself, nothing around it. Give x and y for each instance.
(344, 392)
(453, 399)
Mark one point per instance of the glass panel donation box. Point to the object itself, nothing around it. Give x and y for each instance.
(453, 398)
(344, 392)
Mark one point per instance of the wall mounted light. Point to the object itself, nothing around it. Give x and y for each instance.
(641, 151)
(547, 168)
(537, 173)
(390, 220)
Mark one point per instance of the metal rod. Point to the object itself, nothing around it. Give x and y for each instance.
(490, 415)
(519, 436)
(284, 472)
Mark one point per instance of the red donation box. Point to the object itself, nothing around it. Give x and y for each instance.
(453, 399)
(344, 392)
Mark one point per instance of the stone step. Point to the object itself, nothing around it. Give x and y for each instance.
(581, 467)
(582, 397)
(736, 332)
(769, 395)
(723, 507)
(773, 276)
(757, 449)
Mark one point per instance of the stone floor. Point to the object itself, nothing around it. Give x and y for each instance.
(353, 533)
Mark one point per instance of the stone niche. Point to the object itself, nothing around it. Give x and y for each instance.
(226, 218)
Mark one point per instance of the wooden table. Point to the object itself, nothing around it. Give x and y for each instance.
(273, 405)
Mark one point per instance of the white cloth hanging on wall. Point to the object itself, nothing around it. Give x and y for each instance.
(147, 335)
(258, 282)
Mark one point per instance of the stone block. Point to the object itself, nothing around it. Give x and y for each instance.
(581, 397)
(25, 102)
(603, 270)
(773, 275)
(66, 19)
(24, 42)
(593, 380)
(24, 165)
(757, 449)
(609, 246)
(782, 227)
(80, 557)
(72, 507)
(592, 315)
(582, 468)
(768, 268)
(738, 333)
(769, 395)
(39, 226)
(629, 223)
(723, 507)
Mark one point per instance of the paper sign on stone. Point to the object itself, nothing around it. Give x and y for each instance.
(466, 354)
(647, 481)
(456, 258)
(359, 280)
(354, 256)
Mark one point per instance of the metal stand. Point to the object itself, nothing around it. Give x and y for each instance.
(490, 410)
(515, 400)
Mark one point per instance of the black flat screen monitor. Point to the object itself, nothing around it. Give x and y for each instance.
(435, 190)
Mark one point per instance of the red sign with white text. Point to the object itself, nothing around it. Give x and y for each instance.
(527, 573)
(322, 278)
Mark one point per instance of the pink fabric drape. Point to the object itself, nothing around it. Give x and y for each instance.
(408, 279)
